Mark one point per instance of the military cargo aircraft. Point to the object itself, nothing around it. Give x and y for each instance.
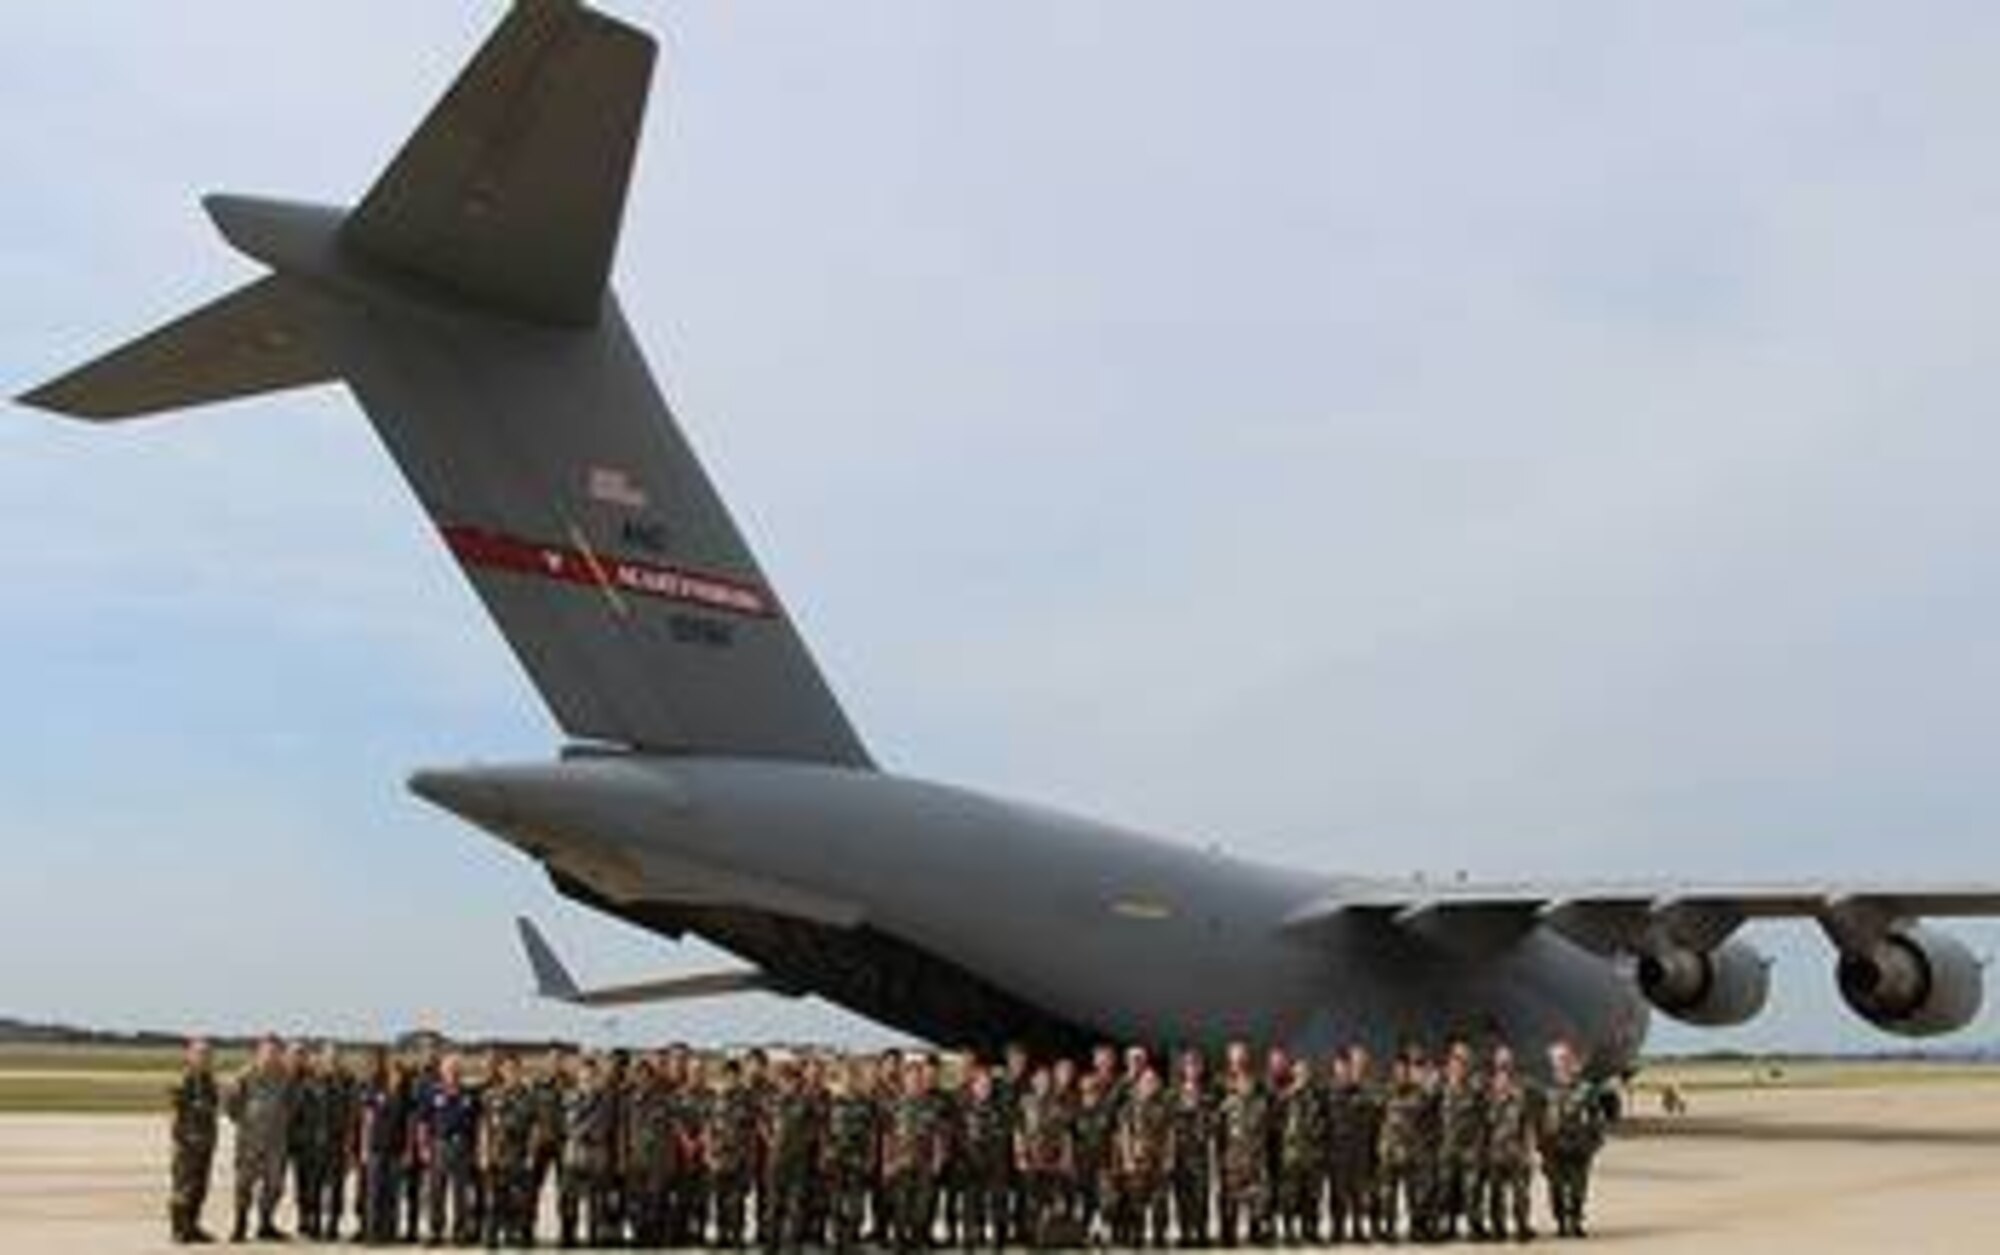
(712, 785)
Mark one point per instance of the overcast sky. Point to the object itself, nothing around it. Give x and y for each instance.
(1531, 439)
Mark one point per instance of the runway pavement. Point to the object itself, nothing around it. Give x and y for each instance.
(1890, 1166)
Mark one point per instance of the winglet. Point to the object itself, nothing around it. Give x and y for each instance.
(552, 979)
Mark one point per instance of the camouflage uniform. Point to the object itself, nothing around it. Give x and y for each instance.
(687, 1210)
(1462, 1156)
(649, 1154)
(729, 1137)
(911, 1150)
(613, 1208)
(1572, 1134)
(1302, 1155)
(1510, 1131)
(1427, 1193)
(847, 1163)
(547, 1100)
(1092, 1123)
(260, 1105)
(1142, 1162)
(1346, 1175)
(582, 1185)
(343, 1116)
(506, 1148)
(1243, 1127)
(986, 1131)
(791, 1143)
(195, 1104)
(948, 1195)
(1042, 1151)
(1191, 1137)
(1397, 1152)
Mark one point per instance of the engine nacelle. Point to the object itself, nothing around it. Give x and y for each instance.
(1710, 988)
(1916, 982)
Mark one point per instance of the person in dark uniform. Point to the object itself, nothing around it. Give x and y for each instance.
(384, 1134)
(447, 1146)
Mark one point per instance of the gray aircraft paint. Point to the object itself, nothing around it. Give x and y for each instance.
(465, 303)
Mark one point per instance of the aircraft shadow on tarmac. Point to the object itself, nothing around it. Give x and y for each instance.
(1803, 1131)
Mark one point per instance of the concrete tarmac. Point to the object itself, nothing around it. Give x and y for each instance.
(1903, 1167)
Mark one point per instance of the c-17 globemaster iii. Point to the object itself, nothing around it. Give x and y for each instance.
(713, 785)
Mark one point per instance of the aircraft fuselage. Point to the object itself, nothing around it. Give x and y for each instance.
(998, 919)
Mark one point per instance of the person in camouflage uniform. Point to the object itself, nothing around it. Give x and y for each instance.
(343, 1119)
(196, 1102)
(260, 1106)
(1572, 1132)
(648, 1152)
(507, 1121)
(309, 1139)
(1426, 1197)
(847, 1153)
(1510, 1151)
(912, 1149)
(948, 1194)
(1142, 1163)
(729, 1137)
(1042, 1156)
(1300, 1117)
(1012, 1085)
(687, 1212)
(1462, 1135)
(1243, 1129)
(548, 1097)
(615, 1207)
(1347, 1200)
(791, 1142)
(813, 1077)
(986, 1134)
(1191, 1138)
(1092, 1122)
(1370, 1098)
(1397, 1150)
(588, 1129)
(755, 1079)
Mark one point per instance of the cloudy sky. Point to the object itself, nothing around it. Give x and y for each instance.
(1532, 439)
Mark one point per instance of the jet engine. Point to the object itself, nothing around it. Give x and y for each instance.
(1710, 988)
(1915, 981)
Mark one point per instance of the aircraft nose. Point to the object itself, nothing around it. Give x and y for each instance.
(467, 792)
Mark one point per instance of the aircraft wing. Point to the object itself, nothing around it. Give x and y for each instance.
(553, 981)
(1614, 918)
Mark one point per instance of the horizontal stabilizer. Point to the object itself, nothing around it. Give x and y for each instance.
(513, 190)
(553, 981)
(249, 342)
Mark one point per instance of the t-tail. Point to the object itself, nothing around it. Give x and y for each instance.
(466, 303)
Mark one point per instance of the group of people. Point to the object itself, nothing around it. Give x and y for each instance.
(675, 1148)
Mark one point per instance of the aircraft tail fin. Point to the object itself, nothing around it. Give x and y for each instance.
(465, 304)
(512, 191)
(552, 979)
(249, 342)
